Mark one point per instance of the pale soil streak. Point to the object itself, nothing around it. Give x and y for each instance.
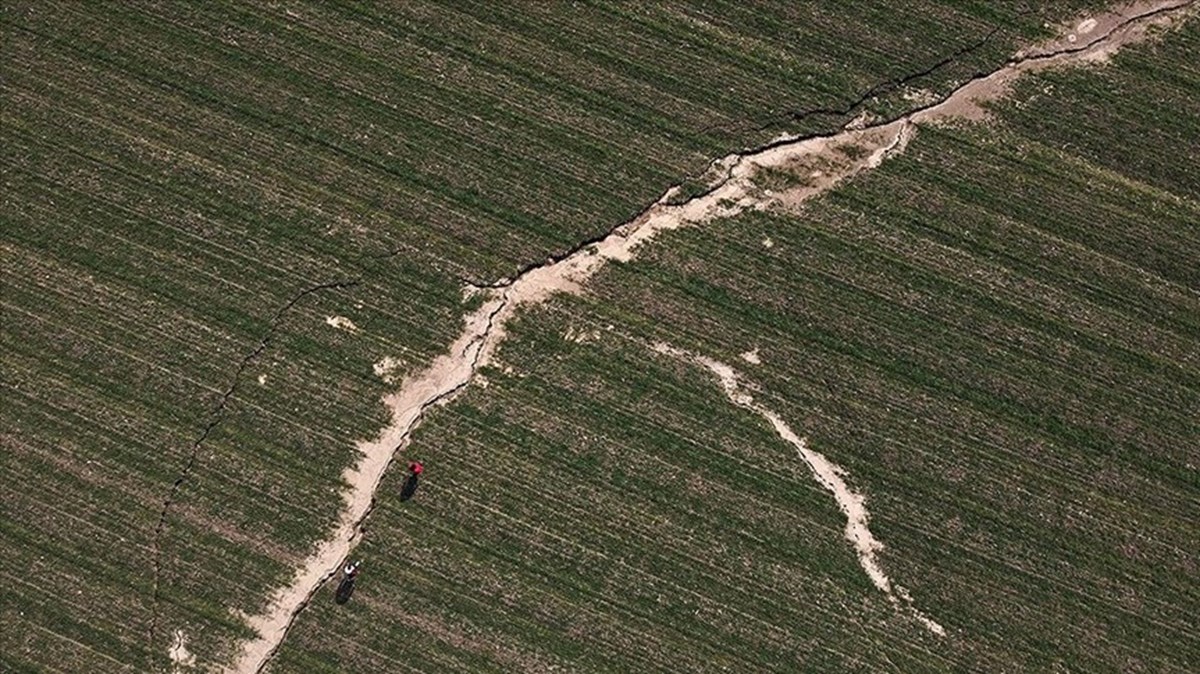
(822, 162)
(181, 658)
(341, 323)
(828, 474)
(444, 377)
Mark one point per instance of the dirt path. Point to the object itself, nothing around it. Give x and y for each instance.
(827, 473)
(742, 181)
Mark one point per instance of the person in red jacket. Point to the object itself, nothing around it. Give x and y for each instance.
(415, 469)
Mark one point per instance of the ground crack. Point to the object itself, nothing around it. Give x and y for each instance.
(735, 158)
(474, 350)
(875, 90)
(888, 86)
(1011, 63)
(451, 373)
(215, 419)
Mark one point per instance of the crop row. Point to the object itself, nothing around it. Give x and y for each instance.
(181, 181)
(994, 335)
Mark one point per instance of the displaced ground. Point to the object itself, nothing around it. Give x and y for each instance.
(997, 335)
(220, 220)
(813, 165)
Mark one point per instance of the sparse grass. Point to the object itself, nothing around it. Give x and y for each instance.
(779, 179)
(852, 151)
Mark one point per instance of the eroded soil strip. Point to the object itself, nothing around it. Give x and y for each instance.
(820, 161)
(827, 473)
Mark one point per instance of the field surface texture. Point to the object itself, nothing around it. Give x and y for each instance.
(993, 335)
(235, 243)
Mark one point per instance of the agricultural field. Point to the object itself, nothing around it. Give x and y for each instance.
(995, 335)
(230, 229)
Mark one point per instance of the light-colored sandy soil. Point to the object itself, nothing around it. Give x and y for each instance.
(386, 369)
(827, 473)
(181, 658)
(741, 181)
(341, 323)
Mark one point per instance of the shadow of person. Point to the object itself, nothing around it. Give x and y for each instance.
(344, 590)
(409, 488)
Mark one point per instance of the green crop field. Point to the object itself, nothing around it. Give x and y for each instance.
(228, 229)
(996, 334)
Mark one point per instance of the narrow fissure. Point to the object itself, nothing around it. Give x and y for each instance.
(449, 374)
(217, 415)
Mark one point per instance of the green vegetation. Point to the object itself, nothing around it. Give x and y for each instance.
(995, 334)
(192, 190)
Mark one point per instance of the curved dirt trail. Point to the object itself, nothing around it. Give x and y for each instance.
(819, 162)
(827, 473)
